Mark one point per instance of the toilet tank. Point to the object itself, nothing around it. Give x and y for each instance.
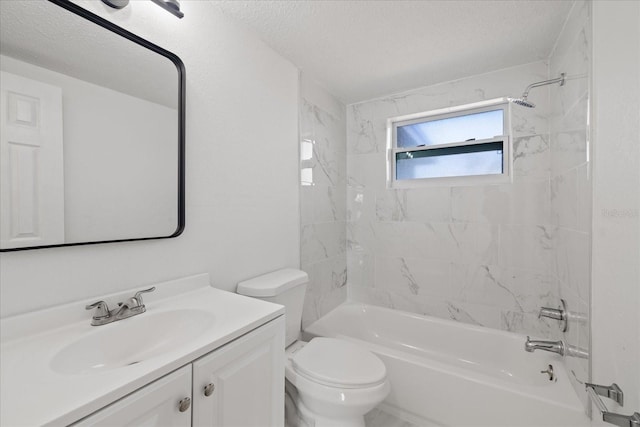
(285, 287)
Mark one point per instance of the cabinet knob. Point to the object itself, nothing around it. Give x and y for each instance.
(184, 404)
(208, 389)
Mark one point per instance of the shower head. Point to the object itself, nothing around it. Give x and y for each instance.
(524, 102)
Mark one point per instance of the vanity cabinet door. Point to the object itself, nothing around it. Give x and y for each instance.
(242, 383)
(157, 404)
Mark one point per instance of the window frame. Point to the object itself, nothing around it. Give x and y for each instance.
(445, 113)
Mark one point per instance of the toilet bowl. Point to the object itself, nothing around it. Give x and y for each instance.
(336, 381)
(331, 382)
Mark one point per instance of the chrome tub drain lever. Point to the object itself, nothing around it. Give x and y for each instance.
(549, 371)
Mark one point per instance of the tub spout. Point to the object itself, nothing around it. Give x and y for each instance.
(552, 346)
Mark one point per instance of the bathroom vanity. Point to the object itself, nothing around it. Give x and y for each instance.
(197, 356)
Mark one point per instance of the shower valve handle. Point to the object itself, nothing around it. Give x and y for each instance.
(560, 314)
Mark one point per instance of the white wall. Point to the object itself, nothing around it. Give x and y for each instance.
(242, 171)
(615, 300)
(120, 175)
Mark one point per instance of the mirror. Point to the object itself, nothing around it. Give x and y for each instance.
(92, 123)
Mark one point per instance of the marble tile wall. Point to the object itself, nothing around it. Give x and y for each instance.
(571, 186)
(480, 254)
(322, 198)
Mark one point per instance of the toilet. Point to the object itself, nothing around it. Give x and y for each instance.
(329, 382)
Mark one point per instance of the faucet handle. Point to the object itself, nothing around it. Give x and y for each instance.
(103, 309)
(552, 313)
(560, 314)
(138, 295)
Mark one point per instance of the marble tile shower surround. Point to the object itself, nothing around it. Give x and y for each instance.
(571, 186)
(478, 254)
(323, 207)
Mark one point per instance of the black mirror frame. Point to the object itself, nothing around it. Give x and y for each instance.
(73, 8)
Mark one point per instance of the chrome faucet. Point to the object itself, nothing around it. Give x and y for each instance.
(560, 314)
(552, 346)
(129, 308)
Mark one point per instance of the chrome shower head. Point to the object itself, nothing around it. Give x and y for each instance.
(524, 102)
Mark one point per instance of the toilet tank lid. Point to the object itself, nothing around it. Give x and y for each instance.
(272, 284)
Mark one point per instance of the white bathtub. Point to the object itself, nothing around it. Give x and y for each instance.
(445, 373)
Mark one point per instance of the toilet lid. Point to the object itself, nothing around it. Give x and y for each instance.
(338, 363)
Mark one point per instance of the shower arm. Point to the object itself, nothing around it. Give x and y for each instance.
(544, 83)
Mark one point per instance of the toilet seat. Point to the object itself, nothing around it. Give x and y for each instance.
(338, 363)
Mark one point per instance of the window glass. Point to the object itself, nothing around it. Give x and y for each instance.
(477, 126)
(483, 159)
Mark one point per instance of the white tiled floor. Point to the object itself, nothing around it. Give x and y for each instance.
(379, 418)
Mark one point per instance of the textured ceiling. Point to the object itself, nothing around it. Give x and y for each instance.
(359, 50)
(44, 34)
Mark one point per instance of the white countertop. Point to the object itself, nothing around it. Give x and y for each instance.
(33, 393)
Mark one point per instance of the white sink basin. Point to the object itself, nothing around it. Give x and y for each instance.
(131, 341)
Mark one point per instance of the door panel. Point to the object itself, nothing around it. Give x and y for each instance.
(31, 163)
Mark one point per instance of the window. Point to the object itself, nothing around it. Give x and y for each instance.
(457, 145)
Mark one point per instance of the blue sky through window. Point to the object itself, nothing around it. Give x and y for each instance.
(453, 129)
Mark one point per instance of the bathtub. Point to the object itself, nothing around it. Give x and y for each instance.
(445, 373)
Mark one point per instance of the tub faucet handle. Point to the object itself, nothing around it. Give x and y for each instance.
(551, 313)
(560, 314)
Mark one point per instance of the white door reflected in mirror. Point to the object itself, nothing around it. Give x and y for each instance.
(32, 180)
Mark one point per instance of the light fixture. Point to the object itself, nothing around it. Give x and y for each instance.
(172, 6)
(116, 4)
